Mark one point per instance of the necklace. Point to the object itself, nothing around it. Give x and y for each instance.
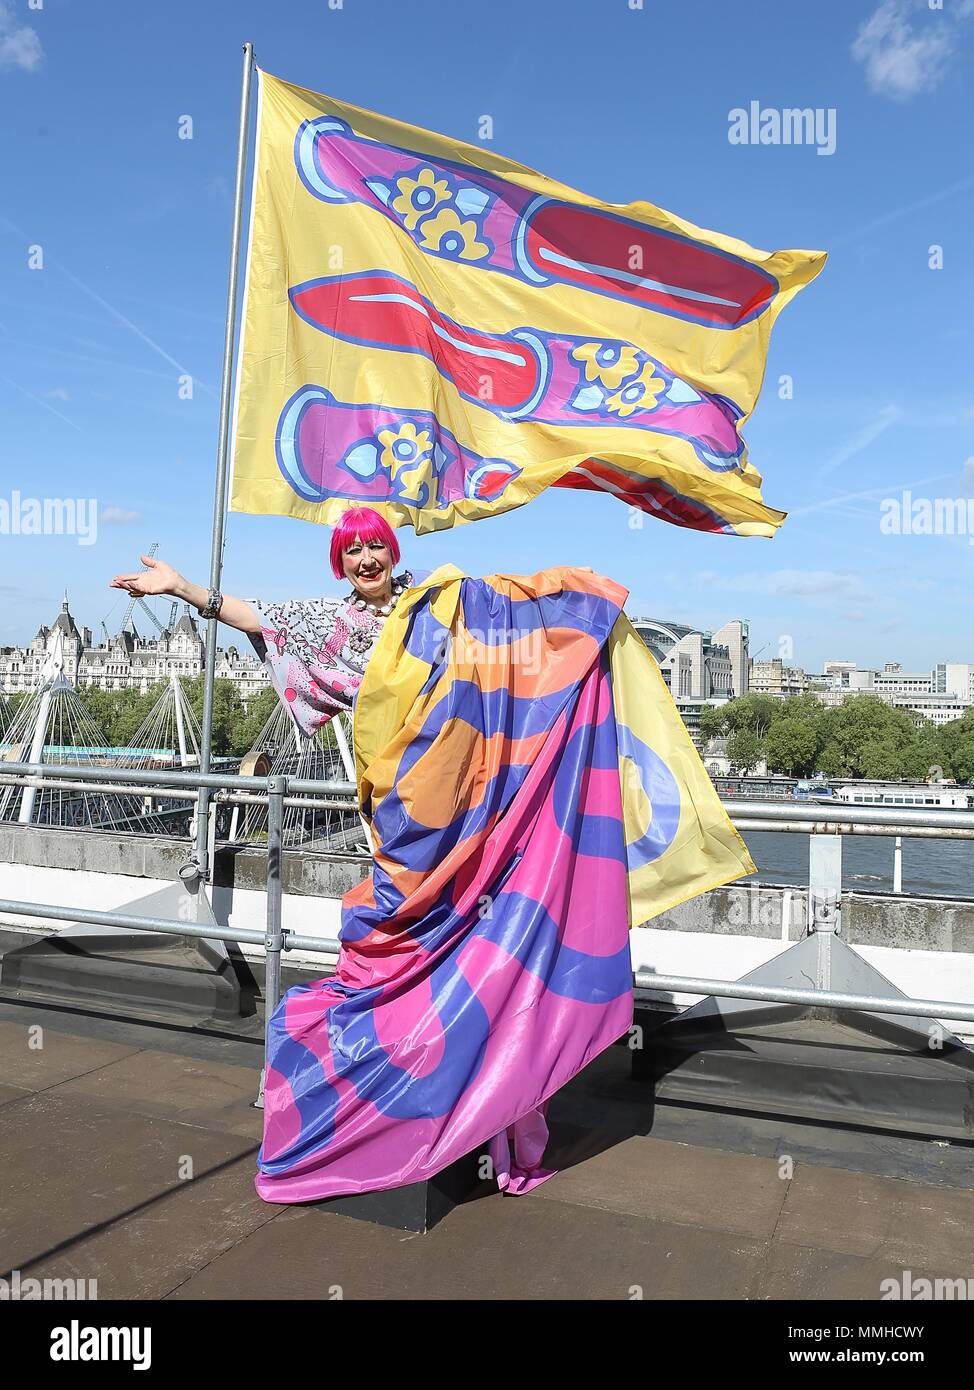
(399, 586)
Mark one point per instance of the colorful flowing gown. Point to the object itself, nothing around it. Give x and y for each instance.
(531, 791)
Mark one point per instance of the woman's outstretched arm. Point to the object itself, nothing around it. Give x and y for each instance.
(160, 578)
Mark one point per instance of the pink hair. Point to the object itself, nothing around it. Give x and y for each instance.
(368, 526)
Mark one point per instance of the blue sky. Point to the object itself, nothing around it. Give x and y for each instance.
(620, 101)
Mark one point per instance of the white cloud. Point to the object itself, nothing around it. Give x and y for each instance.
(904, 582)
(57, 394)
(19, 45)
(902, 61)
(118, 516)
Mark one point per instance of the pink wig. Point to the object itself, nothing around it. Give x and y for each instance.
(368, 526)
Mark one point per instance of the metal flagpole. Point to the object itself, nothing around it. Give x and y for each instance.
(222, 460)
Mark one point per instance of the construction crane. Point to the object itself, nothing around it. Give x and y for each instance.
(131, 608)
(173, 609)
(172, 615)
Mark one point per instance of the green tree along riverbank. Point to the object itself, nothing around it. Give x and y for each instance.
(119, 713)
(862, 737)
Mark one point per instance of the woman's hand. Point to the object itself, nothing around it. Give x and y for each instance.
(159, 578)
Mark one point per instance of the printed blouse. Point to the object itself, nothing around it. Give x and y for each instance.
(316, 651)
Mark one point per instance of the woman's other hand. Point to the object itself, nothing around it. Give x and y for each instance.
(159, 578)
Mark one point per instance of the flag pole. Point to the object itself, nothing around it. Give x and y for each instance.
(222, 459)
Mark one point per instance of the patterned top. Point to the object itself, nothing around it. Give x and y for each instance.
(316, 651)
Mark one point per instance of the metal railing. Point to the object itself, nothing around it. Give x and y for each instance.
(278, 791)
(819, 819)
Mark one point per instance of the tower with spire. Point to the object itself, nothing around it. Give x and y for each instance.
(74, 641)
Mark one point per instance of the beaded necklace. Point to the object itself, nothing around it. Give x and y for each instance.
(399, 586)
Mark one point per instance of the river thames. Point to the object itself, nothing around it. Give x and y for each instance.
(936, 867)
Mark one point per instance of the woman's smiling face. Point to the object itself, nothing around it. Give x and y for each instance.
(368, 567)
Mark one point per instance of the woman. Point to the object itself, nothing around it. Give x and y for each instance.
(315, 650)
(531, 792)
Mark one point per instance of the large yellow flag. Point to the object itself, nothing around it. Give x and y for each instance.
(437, 332)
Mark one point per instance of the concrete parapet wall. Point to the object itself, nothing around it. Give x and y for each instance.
(925, 947)
(756, 910)
(868, 919)
(160, 859)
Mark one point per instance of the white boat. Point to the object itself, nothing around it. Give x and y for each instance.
(867, 792)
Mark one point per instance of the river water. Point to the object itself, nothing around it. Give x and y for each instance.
(938, 867)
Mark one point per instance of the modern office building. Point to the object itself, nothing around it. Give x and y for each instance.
(700, 668)
(940, 695)
(954, 678)
(939, 709)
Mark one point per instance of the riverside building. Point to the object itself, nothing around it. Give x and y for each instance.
(126, 661)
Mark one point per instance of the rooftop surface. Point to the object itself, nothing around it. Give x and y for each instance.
(128, 1157)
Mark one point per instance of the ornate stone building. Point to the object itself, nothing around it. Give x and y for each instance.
(126, 661)
(775, 677)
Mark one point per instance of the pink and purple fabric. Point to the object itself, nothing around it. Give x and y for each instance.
(486, 959)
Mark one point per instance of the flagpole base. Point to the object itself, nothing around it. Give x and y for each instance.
(418, 1206)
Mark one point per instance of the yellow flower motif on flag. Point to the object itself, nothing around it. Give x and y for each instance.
(419, 196)
(403, 446)
(450, 236)
(608, 363)
(411, 481)
(406, 454)
(639, 393)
